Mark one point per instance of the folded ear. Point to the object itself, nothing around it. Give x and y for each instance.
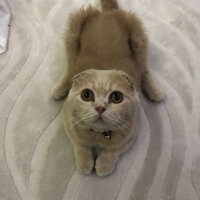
(77, 76)
(81, 77)
(78, 79)
(126, 80)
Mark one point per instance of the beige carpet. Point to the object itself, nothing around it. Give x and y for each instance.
(36, 158)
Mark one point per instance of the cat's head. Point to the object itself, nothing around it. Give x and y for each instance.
(102, 100)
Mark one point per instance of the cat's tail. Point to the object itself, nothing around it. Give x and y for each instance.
(107, 5)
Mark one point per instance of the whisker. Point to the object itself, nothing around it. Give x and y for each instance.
(117, 121)
(84, 118)
(116, 124)
(120, 120)
(78, 116)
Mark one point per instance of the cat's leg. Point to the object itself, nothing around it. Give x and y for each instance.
(73, 42)
(62, 87)
(151, 88)
(138, 43)
(84, 159)
(105, 163)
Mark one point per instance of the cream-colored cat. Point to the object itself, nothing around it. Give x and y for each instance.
(106, 70)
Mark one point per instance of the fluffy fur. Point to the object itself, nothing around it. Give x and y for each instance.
(106, 52)
(80, 117)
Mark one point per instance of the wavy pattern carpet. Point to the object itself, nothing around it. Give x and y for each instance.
(36, 159)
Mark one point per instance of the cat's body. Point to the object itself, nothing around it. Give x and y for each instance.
(107, 58)
(105, 46)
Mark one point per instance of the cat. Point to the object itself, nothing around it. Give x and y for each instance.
(106, 70)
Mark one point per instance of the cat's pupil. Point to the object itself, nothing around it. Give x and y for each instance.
(117, 96)
(87, 94)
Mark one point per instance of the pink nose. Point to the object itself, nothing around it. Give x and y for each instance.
(100, 109)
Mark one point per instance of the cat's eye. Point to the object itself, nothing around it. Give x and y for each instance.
(87, 95)
(116, 97)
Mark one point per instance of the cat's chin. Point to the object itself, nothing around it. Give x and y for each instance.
(99, 121)
(99, 125)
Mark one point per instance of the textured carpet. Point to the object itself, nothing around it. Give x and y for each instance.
(36, 157)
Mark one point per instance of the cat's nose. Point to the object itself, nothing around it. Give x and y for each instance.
(100, 109)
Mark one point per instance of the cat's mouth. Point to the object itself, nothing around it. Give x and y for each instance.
(99, 119)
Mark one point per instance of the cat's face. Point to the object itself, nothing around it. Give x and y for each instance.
(102, 100)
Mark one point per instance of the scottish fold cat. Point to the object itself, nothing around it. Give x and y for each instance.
(106, 70)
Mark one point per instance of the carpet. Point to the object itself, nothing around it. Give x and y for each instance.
(36, 157)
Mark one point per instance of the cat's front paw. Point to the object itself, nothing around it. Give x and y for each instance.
(104, 166)
(58, 92)
(84, 164)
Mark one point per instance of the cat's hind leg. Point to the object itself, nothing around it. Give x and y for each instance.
(75, 27)
(61, 88)
(138, 43)
(151, 88)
